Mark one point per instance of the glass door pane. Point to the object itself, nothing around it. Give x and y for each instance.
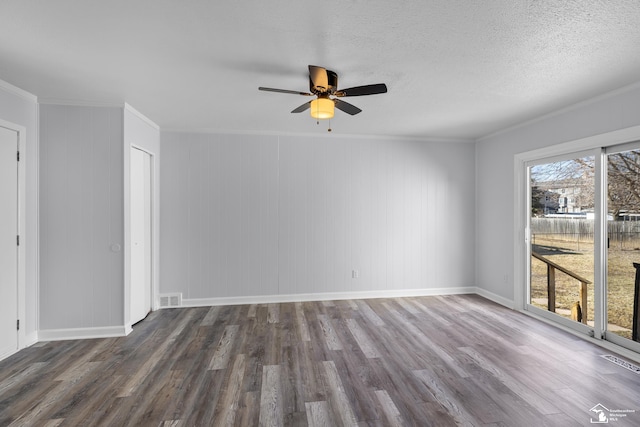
(562, 238)
(623, 232)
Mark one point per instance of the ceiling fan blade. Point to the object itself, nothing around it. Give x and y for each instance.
(294, 92)
(318, 78)
(363, 90)
(302, 108)
(346, 107)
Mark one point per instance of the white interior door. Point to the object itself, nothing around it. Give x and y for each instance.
(8, 243)
(140, 205)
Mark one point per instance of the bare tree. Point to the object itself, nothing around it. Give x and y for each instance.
(537, 200)
(623, 181)
(576, 177)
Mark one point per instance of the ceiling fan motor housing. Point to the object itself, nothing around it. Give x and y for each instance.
(332, 84)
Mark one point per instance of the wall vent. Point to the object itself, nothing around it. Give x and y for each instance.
(623, 363)
(170, 300)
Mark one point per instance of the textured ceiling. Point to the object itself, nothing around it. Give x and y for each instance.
(456, 69)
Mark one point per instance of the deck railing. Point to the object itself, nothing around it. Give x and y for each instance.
(578, 313)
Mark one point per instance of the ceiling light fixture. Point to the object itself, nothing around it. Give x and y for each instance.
(322, 108)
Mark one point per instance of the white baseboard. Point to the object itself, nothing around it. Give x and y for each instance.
(329, 296)
(4, 355)
(123, 330)
(31, 339)
(81, 333)
(495, 298)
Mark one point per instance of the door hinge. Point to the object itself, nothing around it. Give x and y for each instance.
(18, 156)
(18, 240)
(18, 325)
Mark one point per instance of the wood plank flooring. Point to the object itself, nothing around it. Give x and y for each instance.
(427, 361)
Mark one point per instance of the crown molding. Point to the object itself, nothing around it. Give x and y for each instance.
(141, 116)
(80, 103)
(563, 110)
(318, 135)
(14, 90)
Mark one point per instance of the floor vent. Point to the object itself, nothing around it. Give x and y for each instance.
(170, 300)
(623, 363)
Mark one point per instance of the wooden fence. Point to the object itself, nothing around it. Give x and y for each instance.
(625, 234)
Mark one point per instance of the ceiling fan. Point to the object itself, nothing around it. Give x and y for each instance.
(323, 84)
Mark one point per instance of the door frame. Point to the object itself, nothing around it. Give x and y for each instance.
(521, 233)
(22, 232)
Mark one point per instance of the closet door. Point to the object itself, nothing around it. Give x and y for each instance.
(8, 241)
(141, 268)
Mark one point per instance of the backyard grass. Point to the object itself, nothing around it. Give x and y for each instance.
(577, 256)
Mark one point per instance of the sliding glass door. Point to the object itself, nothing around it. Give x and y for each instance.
(583, 248)
(561, 252)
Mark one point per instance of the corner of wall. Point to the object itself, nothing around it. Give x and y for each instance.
(495, 298)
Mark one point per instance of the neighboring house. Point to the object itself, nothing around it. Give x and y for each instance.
(568, 199)
(563, 196)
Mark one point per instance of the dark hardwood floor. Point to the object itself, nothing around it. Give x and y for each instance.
(441, 361)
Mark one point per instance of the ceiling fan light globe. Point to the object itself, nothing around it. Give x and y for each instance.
(322, 108)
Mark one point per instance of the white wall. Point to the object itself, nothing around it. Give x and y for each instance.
(141, 133)
(81, 220)
(495, 175)
(21, 108)
(246, 216)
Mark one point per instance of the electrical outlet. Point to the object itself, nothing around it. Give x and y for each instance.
(355, 274)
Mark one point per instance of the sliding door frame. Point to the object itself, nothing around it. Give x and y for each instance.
(595, 144)
(617, 148)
